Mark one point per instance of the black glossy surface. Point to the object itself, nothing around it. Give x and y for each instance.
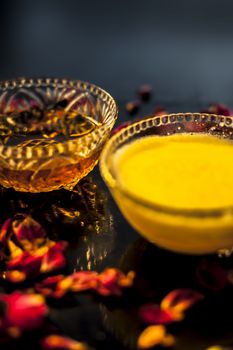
(101, 237)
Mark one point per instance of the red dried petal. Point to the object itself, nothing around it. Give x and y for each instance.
(145, 92)
(15, 276)
(57, 342)
(180, 300)
(55, 286)
(211, 276)
(84, 280)
(23, 311)
(27, 229)
(219, 109)
(32, 264)
(22, 233)
(54, 258)
(160, 110)
(153, 336)
(111, 281)
(27, 263)
(5, 231)
(132, 107)
(153, 314)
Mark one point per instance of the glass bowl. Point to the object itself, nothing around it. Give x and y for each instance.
(198, 231)
(51, 132)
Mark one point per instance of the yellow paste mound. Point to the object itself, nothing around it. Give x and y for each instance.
(181, 171)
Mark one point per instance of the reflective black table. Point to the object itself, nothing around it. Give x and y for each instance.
(98, 236)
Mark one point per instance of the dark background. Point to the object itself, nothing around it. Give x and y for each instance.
(184, 48)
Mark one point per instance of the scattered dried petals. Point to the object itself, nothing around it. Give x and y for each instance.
(55, 286)
(180, 300)
(54, 258)
(219, 109)
(159, 111)
(84, 280)
(32, 264)
(145, 92)
(211, 276)
(109, 282)
(153, 314)
(154, 335)
(57, 342)
(22, 232)
(29, 233)
(132, 107)
(22, 311)
(27, 250)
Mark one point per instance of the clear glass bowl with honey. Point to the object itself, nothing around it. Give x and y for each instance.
(51, 132)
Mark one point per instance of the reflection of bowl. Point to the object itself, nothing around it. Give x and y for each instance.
(51, 132)
(81, 217)
(183, 230)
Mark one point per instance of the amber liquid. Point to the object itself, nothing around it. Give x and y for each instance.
(40, 175)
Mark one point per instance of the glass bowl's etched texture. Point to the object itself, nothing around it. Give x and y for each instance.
(51, 132)
(190, 231)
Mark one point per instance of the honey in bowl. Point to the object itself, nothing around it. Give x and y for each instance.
(51, 132)
(41, 128)
(184, 174)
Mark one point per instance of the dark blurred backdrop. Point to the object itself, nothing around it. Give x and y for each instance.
(184, 48)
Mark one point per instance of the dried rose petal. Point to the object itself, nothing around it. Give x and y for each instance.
(5, 231)
(180, 300)
(24, 232)
(28, 229)
(154, 335)
(145, 92)
(153, 314)
(15, 276)
(84, 280)
(27, 263)
(54, 258)
(55, 286)
(210, 275)
(23, 311)
(111, 281)
(132, 107)
(57, 342)
(160, 110)
(219, 109)
(58, 286)
(30, 265)
(27, 250)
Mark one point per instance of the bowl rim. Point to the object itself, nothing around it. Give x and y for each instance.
(130, 131)
(7, 152)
